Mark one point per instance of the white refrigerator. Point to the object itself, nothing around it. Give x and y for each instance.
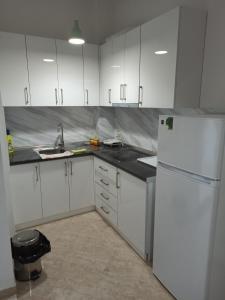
(188, 186)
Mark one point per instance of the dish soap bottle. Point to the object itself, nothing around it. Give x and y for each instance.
(9, 139)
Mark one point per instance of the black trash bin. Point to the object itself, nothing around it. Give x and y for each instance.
(28, 247)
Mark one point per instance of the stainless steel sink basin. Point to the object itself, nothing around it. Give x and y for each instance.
(51, 151)
(47, 153)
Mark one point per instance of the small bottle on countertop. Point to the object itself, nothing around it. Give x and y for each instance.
(9, 139)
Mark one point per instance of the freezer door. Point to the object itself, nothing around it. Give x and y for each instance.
(194, 144)
(184, 221)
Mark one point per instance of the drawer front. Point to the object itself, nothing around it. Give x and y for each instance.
(105, 169)
(106, 184)
(106, 211)
(105, 196)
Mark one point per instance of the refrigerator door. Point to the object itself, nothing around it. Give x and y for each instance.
(185, 211)
(194, 144)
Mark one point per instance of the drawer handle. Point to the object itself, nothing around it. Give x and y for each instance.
(105, 183)
(117, 180)
(103, 169)
(103, 196)
(104, 210)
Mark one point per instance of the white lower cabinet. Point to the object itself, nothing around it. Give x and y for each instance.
(81, 182)
(26, 193)
(54, 187)
(132, 210)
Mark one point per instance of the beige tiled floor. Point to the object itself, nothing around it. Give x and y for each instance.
(89, 260)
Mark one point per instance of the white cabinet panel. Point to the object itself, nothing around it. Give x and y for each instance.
(132, 65)
(131, 207)
(54, 187)
(157, 76)
(42, 73)
(91, 74)
(106, 74)
(14, 86)
(81, 182)
(70, 72)
(26, 193)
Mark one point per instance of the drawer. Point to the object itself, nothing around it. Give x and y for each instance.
(106, 211)
(105, 169)
(106, 184)
(106, 196)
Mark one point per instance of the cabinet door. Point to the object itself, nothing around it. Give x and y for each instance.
(54, 187)
(70, 72)
(132, 65)
(158, 71)
(81, 182)
(106, 74)
(14, 86)
(42, 67)
(131, 207)
(91, 75)
(118, 56)
(26, 193)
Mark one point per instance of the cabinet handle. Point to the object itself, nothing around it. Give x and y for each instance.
(140, 94)
(56, 97)
(124, 92)
(26, 96)
(61, 96)
(65, 168)
(109, 94)
(103, 196)
(103, 169)
(104, 210)
(87, 96)
(121, 88)
(105, 183)
(37, 176)
(117, 180)
(71, 168)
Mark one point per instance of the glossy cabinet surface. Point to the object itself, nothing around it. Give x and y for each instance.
(70, 74)
(14, 85)
(26, 193)
(42, 66)
(54, 187)
(91, 75)
(81, 182)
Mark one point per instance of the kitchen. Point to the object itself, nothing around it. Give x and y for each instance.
(125, 76)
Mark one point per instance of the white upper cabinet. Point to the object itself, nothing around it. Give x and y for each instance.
(70, 74)
(91, 74)
(14, 86)
(171, 59)
(106, 74)
(42, 66)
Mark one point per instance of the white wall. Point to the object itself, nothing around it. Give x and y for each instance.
(6, 267)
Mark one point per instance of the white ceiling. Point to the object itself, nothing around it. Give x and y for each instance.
(98, 18)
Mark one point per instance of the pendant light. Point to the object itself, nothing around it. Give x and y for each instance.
(76, 35)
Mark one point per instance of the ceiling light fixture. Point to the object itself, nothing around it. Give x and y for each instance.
(161, 52)
(48, 60)
(76, 35)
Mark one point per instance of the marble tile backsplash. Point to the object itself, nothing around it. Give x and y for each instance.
(37, 125)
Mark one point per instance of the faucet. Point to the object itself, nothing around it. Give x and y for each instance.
(59, 143)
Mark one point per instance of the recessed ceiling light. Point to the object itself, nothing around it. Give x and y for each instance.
(48, 60)
(161, 52)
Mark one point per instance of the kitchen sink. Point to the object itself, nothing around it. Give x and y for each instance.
(52, 151)
(47, 153)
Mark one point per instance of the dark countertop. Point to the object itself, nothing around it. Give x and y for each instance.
(128, 164)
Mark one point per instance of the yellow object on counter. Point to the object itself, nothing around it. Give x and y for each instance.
(94, 141)
(79, 151)
(11, 149)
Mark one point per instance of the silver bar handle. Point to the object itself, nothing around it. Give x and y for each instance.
(65, 163)
(56, 96)
(103, 196)
(103, 169)
(109, 95)
(26, 96)
(37, 175)
(121, 88)
(140, 94)
(71, 168)
(61, 90)
(117, 180)
(124, 92)
(87, 96)
(105, 183)
(104, 210)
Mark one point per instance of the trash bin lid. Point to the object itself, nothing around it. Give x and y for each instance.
(25, 238)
